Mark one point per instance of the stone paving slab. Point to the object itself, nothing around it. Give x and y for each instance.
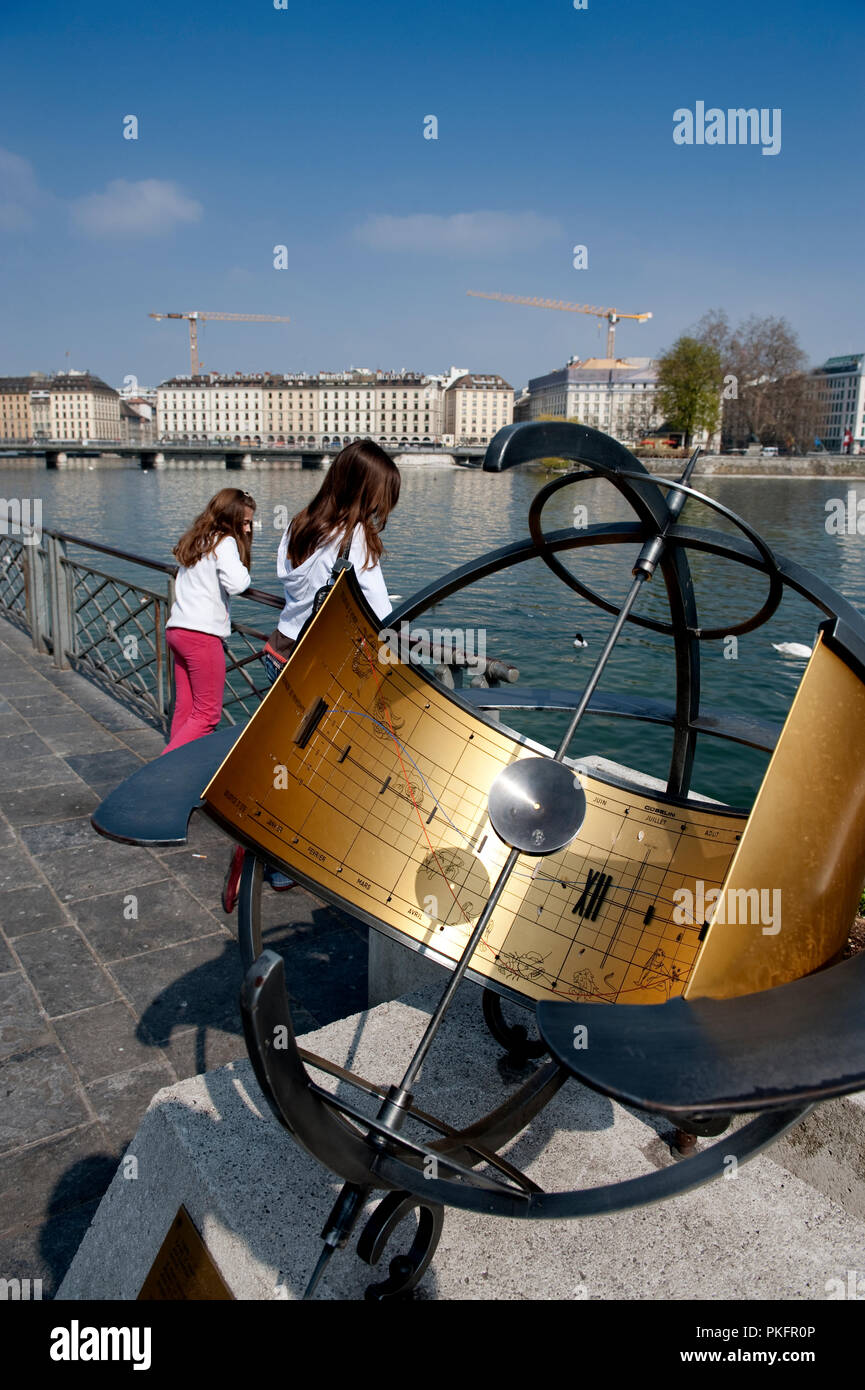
(119, 972)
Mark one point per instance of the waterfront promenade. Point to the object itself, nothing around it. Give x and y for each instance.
(119, 972)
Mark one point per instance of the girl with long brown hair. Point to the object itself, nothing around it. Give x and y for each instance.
(214, 557)
(347, 514)
(350, 508)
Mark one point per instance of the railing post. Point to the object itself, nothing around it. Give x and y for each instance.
(450, 676)
(38, 613)
(62, 626)
(157, 648)
(42, 598)
(27, 569)
(480, 682)
(169, 655)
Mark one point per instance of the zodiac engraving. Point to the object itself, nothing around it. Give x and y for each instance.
(656, 974)
(526, 966)
(388, 723)
(411, 792)
(585, 983)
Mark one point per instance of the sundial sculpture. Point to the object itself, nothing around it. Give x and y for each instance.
(410, 807)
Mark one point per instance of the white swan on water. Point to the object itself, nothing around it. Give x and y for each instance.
(792, 649)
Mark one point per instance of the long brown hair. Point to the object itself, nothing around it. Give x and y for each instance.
(224, 515)
(361, 488)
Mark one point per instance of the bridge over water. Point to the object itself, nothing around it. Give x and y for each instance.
(59, 454)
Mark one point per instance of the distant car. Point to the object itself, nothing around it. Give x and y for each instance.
(769, 451)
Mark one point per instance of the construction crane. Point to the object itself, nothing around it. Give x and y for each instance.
(611, 315)
(195, 316)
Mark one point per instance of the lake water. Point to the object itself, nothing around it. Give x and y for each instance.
(448, 515)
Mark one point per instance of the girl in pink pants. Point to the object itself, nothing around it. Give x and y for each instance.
(214, 557)
(199, 681)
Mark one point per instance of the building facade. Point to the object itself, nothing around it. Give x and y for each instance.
(476, 407)
(208, 408)
(68, 407)
(16, 416)
(136, 421)
(82, 407)
(618, 397)
(331, 407)
(409, 408)
(841, 403)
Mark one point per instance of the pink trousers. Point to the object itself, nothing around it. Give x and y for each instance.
(199, 680)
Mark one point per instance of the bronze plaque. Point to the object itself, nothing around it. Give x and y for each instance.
(183, 1268)
(368, 780)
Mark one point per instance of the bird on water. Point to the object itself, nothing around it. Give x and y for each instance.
(798, 649)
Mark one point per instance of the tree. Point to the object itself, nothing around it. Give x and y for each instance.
(641, 415)
(798, 412)
(764, 354)
(768, 395)
(689, 386)
(714, 329)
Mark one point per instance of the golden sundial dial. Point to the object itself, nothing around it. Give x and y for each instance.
(375, 787)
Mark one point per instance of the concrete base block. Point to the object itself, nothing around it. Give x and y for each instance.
(395, 970)
(260, 1202)
(828, 1150)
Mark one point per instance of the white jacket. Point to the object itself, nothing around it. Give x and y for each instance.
(302, 584)
(202, 592)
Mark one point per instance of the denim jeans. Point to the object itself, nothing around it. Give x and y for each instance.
(271, 666)
(274, 877)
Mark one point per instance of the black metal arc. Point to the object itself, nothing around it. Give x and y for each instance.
(803, 581)
(746, 729)
(285, 1083)
(674, 537)
(796, 1043)
(658, 1186)
(527, 442)
(770, 562)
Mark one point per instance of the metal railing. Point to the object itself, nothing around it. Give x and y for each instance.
(113, 628)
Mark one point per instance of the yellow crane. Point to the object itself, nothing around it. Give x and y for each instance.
(611, 315)
(195, 316)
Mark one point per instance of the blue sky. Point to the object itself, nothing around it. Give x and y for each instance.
(304, 127)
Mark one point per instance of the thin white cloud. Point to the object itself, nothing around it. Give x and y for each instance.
(147, 207)
(460, 234)
(20, 194)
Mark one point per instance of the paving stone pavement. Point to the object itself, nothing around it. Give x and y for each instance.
(119, 971)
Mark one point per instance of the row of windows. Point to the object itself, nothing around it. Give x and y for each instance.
(203, 396)
(344, 395)
(193, 417)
